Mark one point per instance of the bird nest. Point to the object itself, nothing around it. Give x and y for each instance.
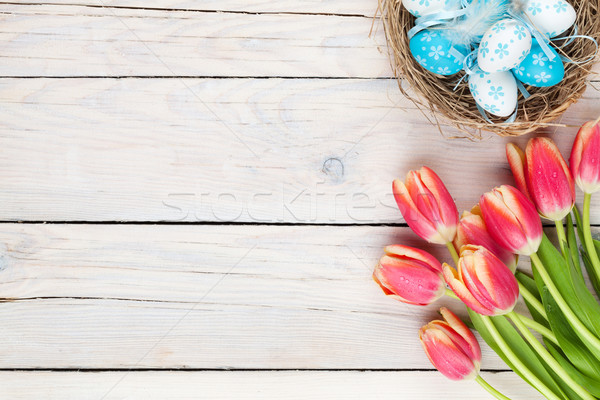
(455, 103)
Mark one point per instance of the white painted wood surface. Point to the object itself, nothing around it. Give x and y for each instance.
(143, 296)
(96, 124)
(285, 385)
(50, 40)
(233, 150)
(348, 7)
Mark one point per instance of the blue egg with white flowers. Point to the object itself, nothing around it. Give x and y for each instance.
(433, 49)
(537, 69)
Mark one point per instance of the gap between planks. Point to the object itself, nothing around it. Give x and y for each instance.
(285, 385)
(300, 298)
(290, 151)
(193, 10)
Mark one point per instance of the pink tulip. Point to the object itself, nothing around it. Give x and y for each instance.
(410, 275)
(541, 173)
(585, 157)
(472, 230)
(451, 347)
(512, 220)
(483, 282)
(427, 206)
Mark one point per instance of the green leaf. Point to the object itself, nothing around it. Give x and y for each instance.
(572, 243)
(590, 384)
(579, 222)
(520, 348)
(584, 253)
(570, 284)
(569, 342)
(595, 279)
(530, 285)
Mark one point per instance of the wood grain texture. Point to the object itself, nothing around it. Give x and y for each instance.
(285, 385)
(347, 7)
(51, 40)
(290, 150)
(143, 296)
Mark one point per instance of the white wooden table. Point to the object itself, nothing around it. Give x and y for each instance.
(194, 194)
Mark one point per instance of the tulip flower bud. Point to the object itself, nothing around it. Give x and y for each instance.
(483, 282)
(410, 275)
(427, 206)
(472, 230)
(541, 173)
(451, 347)
(585, 157)
(512, 220)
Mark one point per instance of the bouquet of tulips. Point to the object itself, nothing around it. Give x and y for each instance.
(485, 244)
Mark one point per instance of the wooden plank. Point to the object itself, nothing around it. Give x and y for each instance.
(338, 7)
(285, 385)
(135, 296)
(76, 40)
(291, 150)
(42, 40)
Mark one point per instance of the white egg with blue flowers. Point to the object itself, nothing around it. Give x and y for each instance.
(504, 45)
(495, 92)
(550, 17)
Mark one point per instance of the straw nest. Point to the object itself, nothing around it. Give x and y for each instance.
(457, 106)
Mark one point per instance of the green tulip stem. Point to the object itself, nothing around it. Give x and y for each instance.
(562, 237)
(516, 361)
(587, 234)
(580, 328)
(450, 293)
(453, 252)
(490, 388)
(539, 328)
(546, 356)
(532, 300)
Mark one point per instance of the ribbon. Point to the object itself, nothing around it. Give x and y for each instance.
(569, 39)
(430, 20)
(470, 66)
(541, 38)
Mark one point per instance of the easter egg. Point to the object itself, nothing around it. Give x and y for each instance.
(420, 8)
(550, 17)
(503, 46)
(495, 92)
(433, 51)
(537, 70)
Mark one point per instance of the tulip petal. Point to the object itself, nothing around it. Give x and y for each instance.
(468, 270)
(549, 180)
(494, 281)
(444, 355)
(458, 326)
(589, 169)
(472, 230)
(459, 341)
(516, 160)
(411, 281)
(528, 218)
(413, 217)
(447, 210)
(423, 197)
(577, 150)
(512, 220)
(502, 224)
(407, 252)
(460, 290)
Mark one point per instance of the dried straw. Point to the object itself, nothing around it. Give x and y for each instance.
(458, 107)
